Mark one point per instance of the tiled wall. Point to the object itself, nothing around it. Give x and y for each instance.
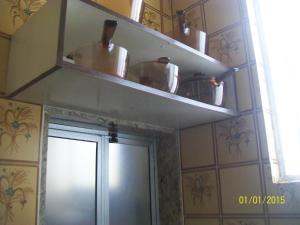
(227, 159)
(194, 13)
(13, 14)
(156, 14)
(20, 129)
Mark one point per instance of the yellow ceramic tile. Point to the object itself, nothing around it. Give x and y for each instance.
(262, 136)
(228, 47)
(256, 86)
(220, 13)
(154, 3)
(18, 195)
(4, 54)
(182, 4)
(240, 181)
(14, 13)
(236, 140)
(19, 130)
(200, 192)
(243, 90)
(250, 42)
(197, 146)
(194, 12)
(201, 221)
(291, 193)
(243, 222)
(151, 19)
(193, 16)
(286, 221)
(123, 7)
(167, 25)
(167, 7)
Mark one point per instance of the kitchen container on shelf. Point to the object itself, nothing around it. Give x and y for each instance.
(204, 88)
(188, 35)
(160, 74)
(103, 56)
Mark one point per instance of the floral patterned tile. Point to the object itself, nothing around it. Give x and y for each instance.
(197, 146)
(243, 222)
(151, 19)
(18, 195)
(182, 4)
(228, 47)
(19, 130)
(285, 222)
(221, 13)
(14, 13)
(193, 221)
(243, 90)
(236, 140)
(240, 181)
(154, 3)
(291, 193)
(193, 17)
(200, 192)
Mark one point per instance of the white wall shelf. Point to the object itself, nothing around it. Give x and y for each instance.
(39, 74)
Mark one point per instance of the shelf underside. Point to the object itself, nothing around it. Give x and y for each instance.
(90, 91)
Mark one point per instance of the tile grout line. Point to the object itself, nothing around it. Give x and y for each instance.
(218, 173)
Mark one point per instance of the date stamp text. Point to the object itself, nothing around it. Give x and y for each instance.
(259, 200)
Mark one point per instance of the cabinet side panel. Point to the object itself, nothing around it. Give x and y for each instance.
(34, 46)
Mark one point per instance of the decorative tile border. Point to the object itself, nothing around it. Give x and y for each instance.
(62, 113)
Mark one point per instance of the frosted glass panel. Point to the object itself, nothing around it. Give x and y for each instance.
(70, 190)
(129, 188)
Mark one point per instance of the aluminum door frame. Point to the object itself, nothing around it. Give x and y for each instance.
(90, 132)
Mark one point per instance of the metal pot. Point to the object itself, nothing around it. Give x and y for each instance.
(160, 74)
(103, 56)
(187, 35)
(204, 88)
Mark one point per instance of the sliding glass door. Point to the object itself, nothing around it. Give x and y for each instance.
(129, 189)
(71, 186)
(92, 182)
